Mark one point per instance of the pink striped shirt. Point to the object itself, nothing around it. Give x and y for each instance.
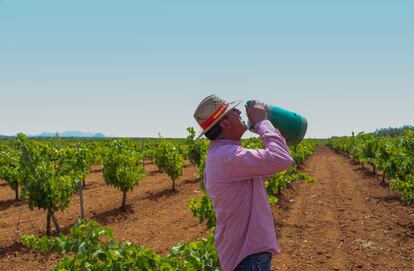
(234, 181)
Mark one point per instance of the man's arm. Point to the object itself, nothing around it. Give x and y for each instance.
(275, 157)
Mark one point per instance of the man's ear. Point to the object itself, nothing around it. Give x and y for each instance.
(224, 124)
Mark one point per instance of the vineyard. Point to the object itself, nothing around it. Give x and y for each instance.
(393, 156)
(51, 175)
(133, 204)
(140, 204)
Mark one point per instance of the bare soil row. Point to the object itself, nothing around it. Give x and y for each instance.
(346, 221)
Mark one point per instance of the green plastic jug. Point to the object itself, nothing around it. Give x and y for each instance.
(291, 125)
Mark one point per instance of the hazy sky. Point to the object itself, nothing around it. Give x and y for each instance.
(139, 68)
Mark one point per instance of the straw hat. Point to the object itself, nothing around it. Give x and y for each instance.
(211, 110)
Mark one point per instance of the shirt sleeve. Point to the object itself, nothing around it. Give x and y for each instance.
(244, 163)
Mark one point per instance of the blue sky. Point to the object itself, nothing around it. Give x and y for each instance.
(139, 68)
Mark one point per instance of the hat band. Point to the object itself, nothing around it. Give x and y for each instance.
(205, 124)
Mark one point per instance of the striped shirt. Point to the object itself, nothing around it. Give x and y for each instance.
(234, 181)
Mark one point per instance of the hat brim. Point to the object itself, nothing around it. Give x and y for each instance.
(229, 108)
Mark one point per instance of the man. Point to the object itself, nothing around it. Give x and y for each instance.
(234, 181)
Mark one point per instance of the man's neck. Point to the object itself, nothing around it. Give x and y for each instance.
(227, 137)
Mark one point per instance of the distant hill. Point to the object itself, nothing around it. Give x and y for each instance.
(71, 134)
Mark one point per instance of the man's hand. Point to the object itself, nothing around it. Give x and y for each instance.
(256, 111)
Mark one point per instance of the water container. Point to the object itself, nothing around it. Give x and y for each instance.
(291, 125)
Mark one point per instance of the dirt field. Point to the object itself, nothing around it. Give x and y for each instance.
(347, 221)
(156, 217)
